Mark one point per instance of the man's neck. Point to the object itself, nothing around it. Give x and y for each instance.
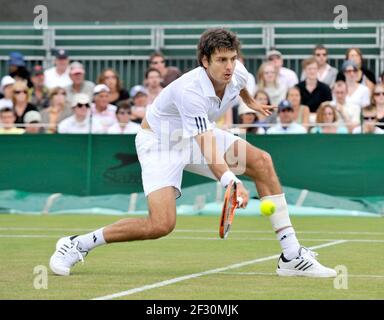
(77, 86)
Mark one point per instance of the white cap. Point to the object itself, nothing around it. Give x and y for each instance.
(32, 116)
(137, 89)
(6, 104)
(6, 81)
(244, 109)
(81, 98)
(100, 88)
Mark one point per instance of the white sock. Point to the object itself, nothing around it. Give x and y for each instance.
(289, 243)
(91, 240)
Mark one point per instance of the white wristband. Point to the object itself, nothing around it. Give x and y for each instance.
(227, 177)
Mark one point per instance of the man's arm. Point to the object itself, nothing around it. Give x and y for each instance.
(217, 164)
(251, 102)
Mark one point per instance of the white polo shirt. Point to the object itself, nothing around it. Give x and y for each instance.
(130, 128)
(293, 128)
(190, 103)
(52, 79)
(106, 118)
(71, 125)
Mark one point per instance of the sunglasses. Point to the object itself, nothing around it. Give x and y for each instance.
(321, 54)
(20, 91)
(350, 71)
(157, 62)
(123, 112)
(370, 118)
(381, 93)
(80, 105)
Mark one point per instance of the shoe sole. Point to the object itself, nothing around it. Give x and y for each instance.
(294, 273)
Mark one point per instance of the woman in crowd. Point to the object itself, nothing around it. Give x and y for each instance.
(300, 111)
(57, 111)
(20, 101)
(378, 101)
(326, 120)
(249, 119)
(364, 76)
(267, 80)
(111, 78)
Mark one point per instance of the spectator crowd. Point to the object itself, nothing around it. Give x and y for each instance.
(322, 99)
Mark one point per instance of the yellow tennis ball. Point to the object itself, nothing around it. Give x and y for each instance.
(267, 208)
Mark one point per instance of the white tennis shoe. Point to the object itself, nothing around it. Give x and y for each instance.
(67, 254)
(305, 265)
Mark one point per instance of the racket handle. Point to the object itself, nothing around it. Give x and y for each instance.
(239, 201)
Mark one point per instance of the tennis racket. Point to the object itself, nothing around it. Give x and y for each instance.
(231, 202)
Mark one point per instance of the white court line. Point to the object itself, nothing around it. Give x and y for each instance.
(195, 231)
(199, 274)
(273, 274)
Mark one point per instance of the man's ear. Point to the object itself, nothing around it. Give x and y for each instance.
(205, 62)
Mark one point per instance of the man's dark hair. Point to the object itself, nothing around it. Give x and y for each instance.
(156, 54)
(320, 47)
(217, 38)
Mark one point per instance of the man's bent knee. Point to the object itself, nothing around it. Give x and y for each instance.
(160, 229)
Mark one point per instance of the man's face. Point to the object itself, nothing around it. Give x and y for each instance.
(81, 110)
(102, 100)
(311, 71)
(123, 115)
(340, 93)
(277, 61)
(33, 127)
(61, 64)
(286, 116)
(158, 63)
(221, 66)
(77, 78)
(38, 80)
(321, 56)
(8, 91)
(370, 118)
(7, 119)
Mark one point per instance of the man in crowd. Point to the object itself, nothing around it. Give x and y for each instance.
(285, 76)
(168, 74)
(79, 84)
(58, 76)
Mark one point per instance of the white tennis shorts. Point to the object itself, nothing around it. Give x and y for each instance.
(162, 163)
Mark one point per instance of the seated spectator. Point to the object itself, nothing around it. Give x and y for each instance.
(364, 76)
(326, 120)
(347, 113)
(58, 76)
(20, 101)
(80, 121)
(267, 80)
(300, 111)
(326, 74)
(7, 122)
(369, 116)
(101, 109)
(111, 79)
(378, 101)
(313, 92)
(124, 125)
(168, 74)
(79, 84)
(139, 95)
(39, 93)
(6, 91)
(153, 83)
(262, 97)
(287, 124)
(356, 93)
(17, 68)
(286, 76)
(32, 121)
(249, 119)
(57, 111)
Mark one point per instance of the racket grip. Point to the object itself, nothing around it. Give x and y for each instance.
(239, 201)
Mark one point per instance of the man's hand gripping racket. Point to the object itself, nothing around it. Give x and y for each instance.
(236, 196)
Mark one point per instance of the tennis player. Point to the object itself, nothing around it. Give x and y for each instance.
(179, 133)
